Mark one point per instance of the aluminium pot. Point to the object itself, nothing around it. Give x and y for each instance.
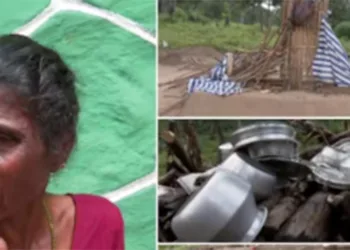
(287, 168)
(245, 136)
(222, 210)
(332, 177)
(189, 183)
(287, 148)
(332, 157)
(263, 180)
(224, 151)
(343, 145)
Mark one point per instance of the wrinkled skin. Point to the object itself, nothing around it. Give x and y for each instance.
(24, 170)
(25, 167)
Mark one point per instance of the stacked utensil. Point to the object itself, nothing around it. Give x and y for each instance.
(222, 202)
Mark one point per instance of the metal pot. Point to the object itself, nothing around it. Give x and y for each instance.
(287, 168)
(168, 196)
(189, 181)
(224, 151)
(223, 210)
(332, 157)
(269, 148)
(332, 177)
(263, 180)
(343, 145)
(261, 131)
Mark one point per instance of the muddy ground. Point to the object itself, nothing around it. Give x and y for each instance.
(182, 63)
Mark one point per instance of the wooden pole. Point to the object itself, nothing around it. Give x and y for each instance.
(303, 43)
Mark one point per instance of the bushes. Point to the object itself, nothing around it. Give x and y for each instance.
(343, 30)
(180, 15)
(197, 17)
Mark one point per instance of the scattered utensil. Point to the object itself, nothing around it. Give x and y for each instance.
(263, 180)
(261, 131)
(224, 151)
(223, 210)
(287, 148)
(287, 168)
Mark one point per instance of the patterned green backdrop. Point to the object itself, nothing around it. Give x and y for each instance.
(116, 86)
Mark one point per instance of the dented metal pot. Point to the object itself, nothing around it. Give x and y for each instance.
(332, 157)
(263, 180)
(222, 210)
(272, 131)
(287, 148)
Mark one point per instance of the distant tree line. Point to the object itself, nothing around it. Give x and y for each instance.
(243, 11)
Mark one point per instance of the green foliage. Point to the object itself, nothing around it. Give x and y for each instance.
(234, 37)
(180, 15)
(209, 140)
(343, 30)
(197, 17)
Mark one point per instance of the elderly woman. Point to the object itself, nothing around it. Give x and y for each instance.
(38, 118)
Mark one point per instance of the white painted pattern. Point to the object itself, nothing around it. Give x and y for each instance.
(131, 188)
(79, 6)
(57, 6)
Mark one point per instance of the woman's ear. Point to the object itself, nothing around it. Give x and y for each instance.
(62, 152)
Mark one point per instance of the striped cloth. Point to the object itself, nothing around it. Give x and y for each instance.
(217, 83)
(331, 64)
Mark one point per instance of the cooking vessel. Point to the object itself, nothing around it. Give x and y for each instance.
(287, 148)
(332, 177)
(332, 157)
(168, 195)
(222, 210)
(343, 145)
(261, 131)
(262, 179)
(189, 181)
(287, 168)
(224, 151)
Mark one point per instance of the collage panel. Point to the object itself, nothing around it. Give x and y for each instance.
(254, 58)
(77, 124)
(261, 181)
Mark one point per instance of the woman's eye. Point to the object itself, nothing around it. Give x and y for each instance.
(7, 139)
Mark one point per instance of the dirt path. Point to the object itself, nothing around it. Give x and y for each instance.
(177, 64)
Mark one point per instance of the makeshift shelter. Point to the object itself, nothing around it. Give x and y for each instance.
(306, 50)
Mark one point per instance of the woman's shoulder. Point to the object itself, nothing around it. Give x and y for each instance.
(99, 209)
(98, 223)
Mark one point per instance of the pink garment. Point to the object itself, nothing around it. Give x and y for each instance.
(98, 224)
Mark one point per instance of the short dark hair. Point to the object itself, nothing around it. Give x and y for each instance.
(39, 74)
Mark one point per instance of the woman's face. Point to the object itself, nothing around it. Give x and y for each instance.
(24, 162)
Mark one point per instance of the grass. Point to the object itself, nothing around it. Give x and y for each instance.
(236, 37)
